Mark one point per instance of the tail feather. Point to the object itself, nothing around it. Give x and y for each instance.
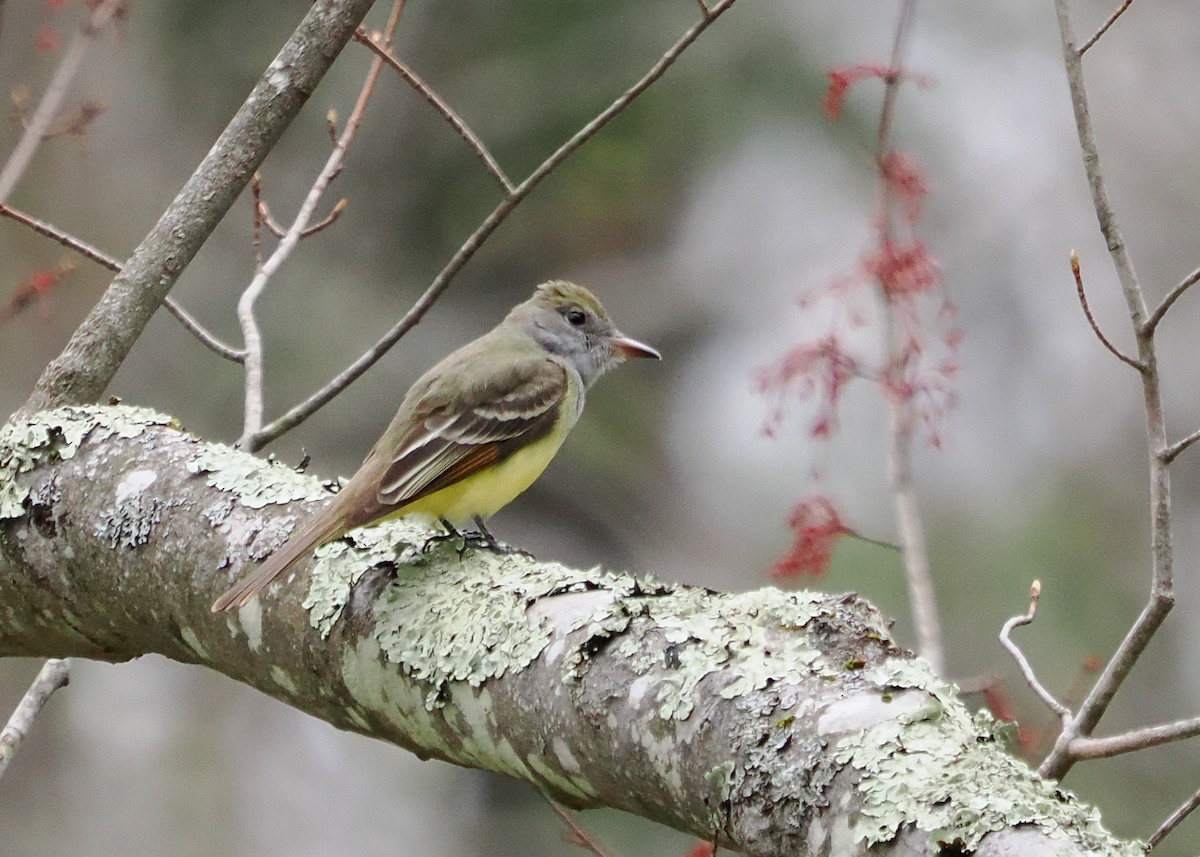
(318, 531)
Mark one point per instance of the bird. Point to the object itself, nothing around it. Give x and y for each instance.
(475, 430)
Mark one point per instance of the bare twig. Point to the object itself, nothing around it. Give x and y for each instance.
(578, 836)
(1170, 453)
(447, 112)
(1112, 19)
(101, 258)
(1173, 820)
(1087, 311)
(67, 240)
(1136, 739)
(56, 91)
(100, 344)
(53, 675)
(1167, 302)
(253, 397)
(1162, 597)
(499, 214)
(909, 528)
(1031, 679)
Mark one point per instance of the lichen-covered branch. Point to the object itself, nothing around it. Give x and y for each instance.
(106, 336)
(788, 723)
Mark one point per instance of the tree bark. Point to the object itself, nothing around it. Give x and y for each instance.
(777, 723)
(102, 342)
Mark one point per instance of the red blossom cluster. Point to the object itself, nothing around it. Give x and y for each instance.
(34, 288)
(842, 80)
(816, 527)
(920, 363)
(822, 368)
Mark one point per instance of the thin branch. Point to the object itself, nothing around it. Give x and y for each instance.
(499, 214)
(1173, 820)
(1172, 452)
(1031, 679)
(1167, 302)
(56, 91)
(100, 344)
(67, 240)
(909, 528)
(447, 112)
(1136, 739)
(1112, 19)
(253, 390)
(1162, 596)
(579, 836)
(1087, 311)
(207, 339)
(196, 329)
(54, 674)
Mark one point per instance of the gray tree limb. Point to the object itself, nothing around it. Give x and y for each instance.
(780, 723)
(101, 343)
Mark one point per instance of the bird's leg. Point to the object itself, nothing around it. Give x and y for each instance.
(480, 538)
(486, 535)
(490, 541)
(451, 534)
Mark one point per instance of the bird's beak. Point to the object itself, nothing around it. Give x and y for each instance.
(624, 347)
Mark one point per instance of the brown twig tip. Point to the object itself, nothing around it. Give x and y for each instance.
(329, 220)
(1112, 19)
(1031, 679)
(1087, 311)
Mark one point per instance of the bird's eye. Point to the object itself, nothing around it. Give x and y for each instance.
(575, 317)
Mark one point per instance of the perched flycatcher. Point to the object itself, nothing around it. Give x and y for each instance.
(475, 430)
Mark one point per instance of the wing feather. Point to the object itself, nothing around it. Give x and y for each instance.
(492, 424)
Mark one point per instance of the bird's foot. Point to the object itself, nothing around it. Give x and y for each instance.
(477, 539)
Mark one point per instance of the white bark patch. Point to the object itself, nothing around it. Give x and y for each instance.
(135, 483)
(864, 710)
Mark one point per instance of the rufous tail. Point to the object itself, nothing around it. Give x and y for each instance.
(318, 531)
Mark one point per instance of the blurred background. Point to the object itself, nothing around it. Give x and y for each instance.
(700, 217)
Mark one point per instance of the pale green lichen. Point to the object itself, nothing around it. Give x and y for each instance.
(708, 634)
(256, 482)
(341, 563)
(130, 523)
(448, 621)
(57, 434)
(944, 771)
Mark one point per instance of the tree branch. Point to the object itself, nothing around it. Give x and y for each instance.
(1026, 668)
(53, 675)
(1136, 739)
(87, 251)
(447, 112)
(786, 722)
(1174, 820)
(253, 392)
(1087, 311)
(1162, 596)
(914, 552)
(101, 343)
(38, 126)
(1112, 19)
(475, 240)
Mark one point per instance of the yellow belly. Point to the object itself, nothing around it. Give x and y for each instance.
(486, 492)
